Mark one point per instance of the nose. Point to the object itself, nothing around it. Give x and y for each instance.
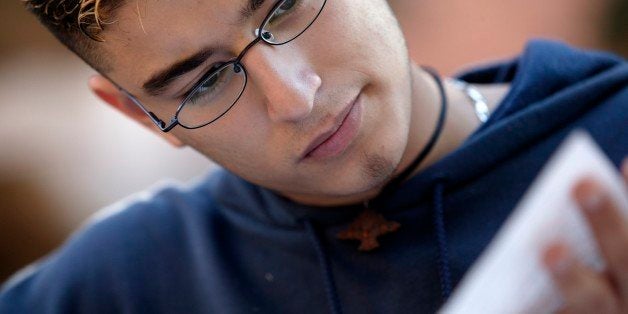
(285, 78)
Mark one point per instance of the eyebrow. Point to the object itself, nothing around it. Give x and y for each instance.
(160, 81)
(250, 8)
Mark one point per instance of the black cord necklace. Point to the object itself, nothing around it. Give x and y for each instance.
(395, 182)
(370, 224)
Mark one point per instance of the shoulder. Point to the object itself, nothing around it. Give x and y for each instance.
(98, 262)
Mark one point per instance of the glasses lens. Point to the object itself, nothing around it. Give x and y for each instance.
(290, 19)
(213, 97)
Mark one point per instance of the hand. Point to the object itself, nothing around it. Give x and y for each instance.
(583, 289)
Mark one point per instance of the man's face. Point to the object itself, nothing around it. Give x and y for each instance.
(297, 94)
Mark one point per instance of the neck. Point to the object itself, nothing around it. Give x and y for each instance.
(460, 121)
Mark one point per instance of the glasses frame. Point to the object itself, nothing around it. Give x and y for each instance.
(236, 63)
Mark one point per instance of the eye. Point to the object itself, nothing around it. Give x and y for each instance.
(284, 9)
(209, 85)
(287, 5)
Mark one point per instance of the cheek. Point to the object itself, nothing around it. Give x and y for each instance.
(371, 26)
(372, 39)
(239, 141)
(366, 38)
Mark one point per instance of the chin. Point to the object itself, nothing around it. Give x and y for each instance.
(350, 183)
(360, 180)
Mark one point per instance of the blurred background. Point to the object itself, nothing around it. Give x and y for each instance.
(65, 155)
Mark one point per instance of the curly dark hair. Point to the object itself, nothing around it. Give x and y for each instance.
(78, 24)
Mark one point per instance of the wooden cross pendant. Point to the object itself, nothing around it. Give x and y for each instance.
(366, 228)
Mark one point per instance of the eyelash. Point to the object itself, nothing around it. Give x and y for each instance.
(213, 68)
(286, 13)
(254, 6)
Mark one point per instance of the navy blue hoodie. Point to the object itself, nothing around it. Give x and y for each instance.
(222, 245)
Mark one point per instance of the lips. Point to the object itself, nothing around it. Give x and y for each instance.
(337, 138)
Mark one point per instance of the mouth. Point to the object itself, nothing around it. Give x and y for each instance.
(334, 141)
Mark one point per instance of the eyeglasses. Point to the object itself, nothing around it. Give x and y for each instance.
(221, 88)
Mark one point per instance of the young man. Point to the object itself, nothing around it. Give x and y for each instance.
(318, 116)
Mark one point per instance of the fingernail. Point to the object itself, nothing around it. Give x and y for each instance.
(624, 167)
(558, 260)
(592, 199)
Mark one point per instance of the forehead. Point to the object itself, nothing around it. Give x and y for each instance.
(147, 14)
(158, 32)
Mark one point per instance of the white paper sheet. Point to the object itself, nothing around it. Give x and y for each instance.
(510, 277)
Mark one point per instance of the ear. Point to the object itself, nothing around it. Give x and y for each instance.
(111, 95)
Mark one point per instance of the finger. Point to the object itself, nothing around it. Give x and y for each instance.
(609, 227)
(582, 290)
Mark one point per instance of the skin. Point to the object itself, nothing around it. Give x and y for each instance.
(583, 289)
(296, 90)
(294, 94)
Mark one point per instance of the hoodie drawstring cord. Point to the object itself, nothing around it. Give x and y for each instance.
(441, 237)
(328, 277)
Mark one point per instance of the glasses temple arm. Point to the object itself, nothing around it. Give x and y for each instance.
(158, 122)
